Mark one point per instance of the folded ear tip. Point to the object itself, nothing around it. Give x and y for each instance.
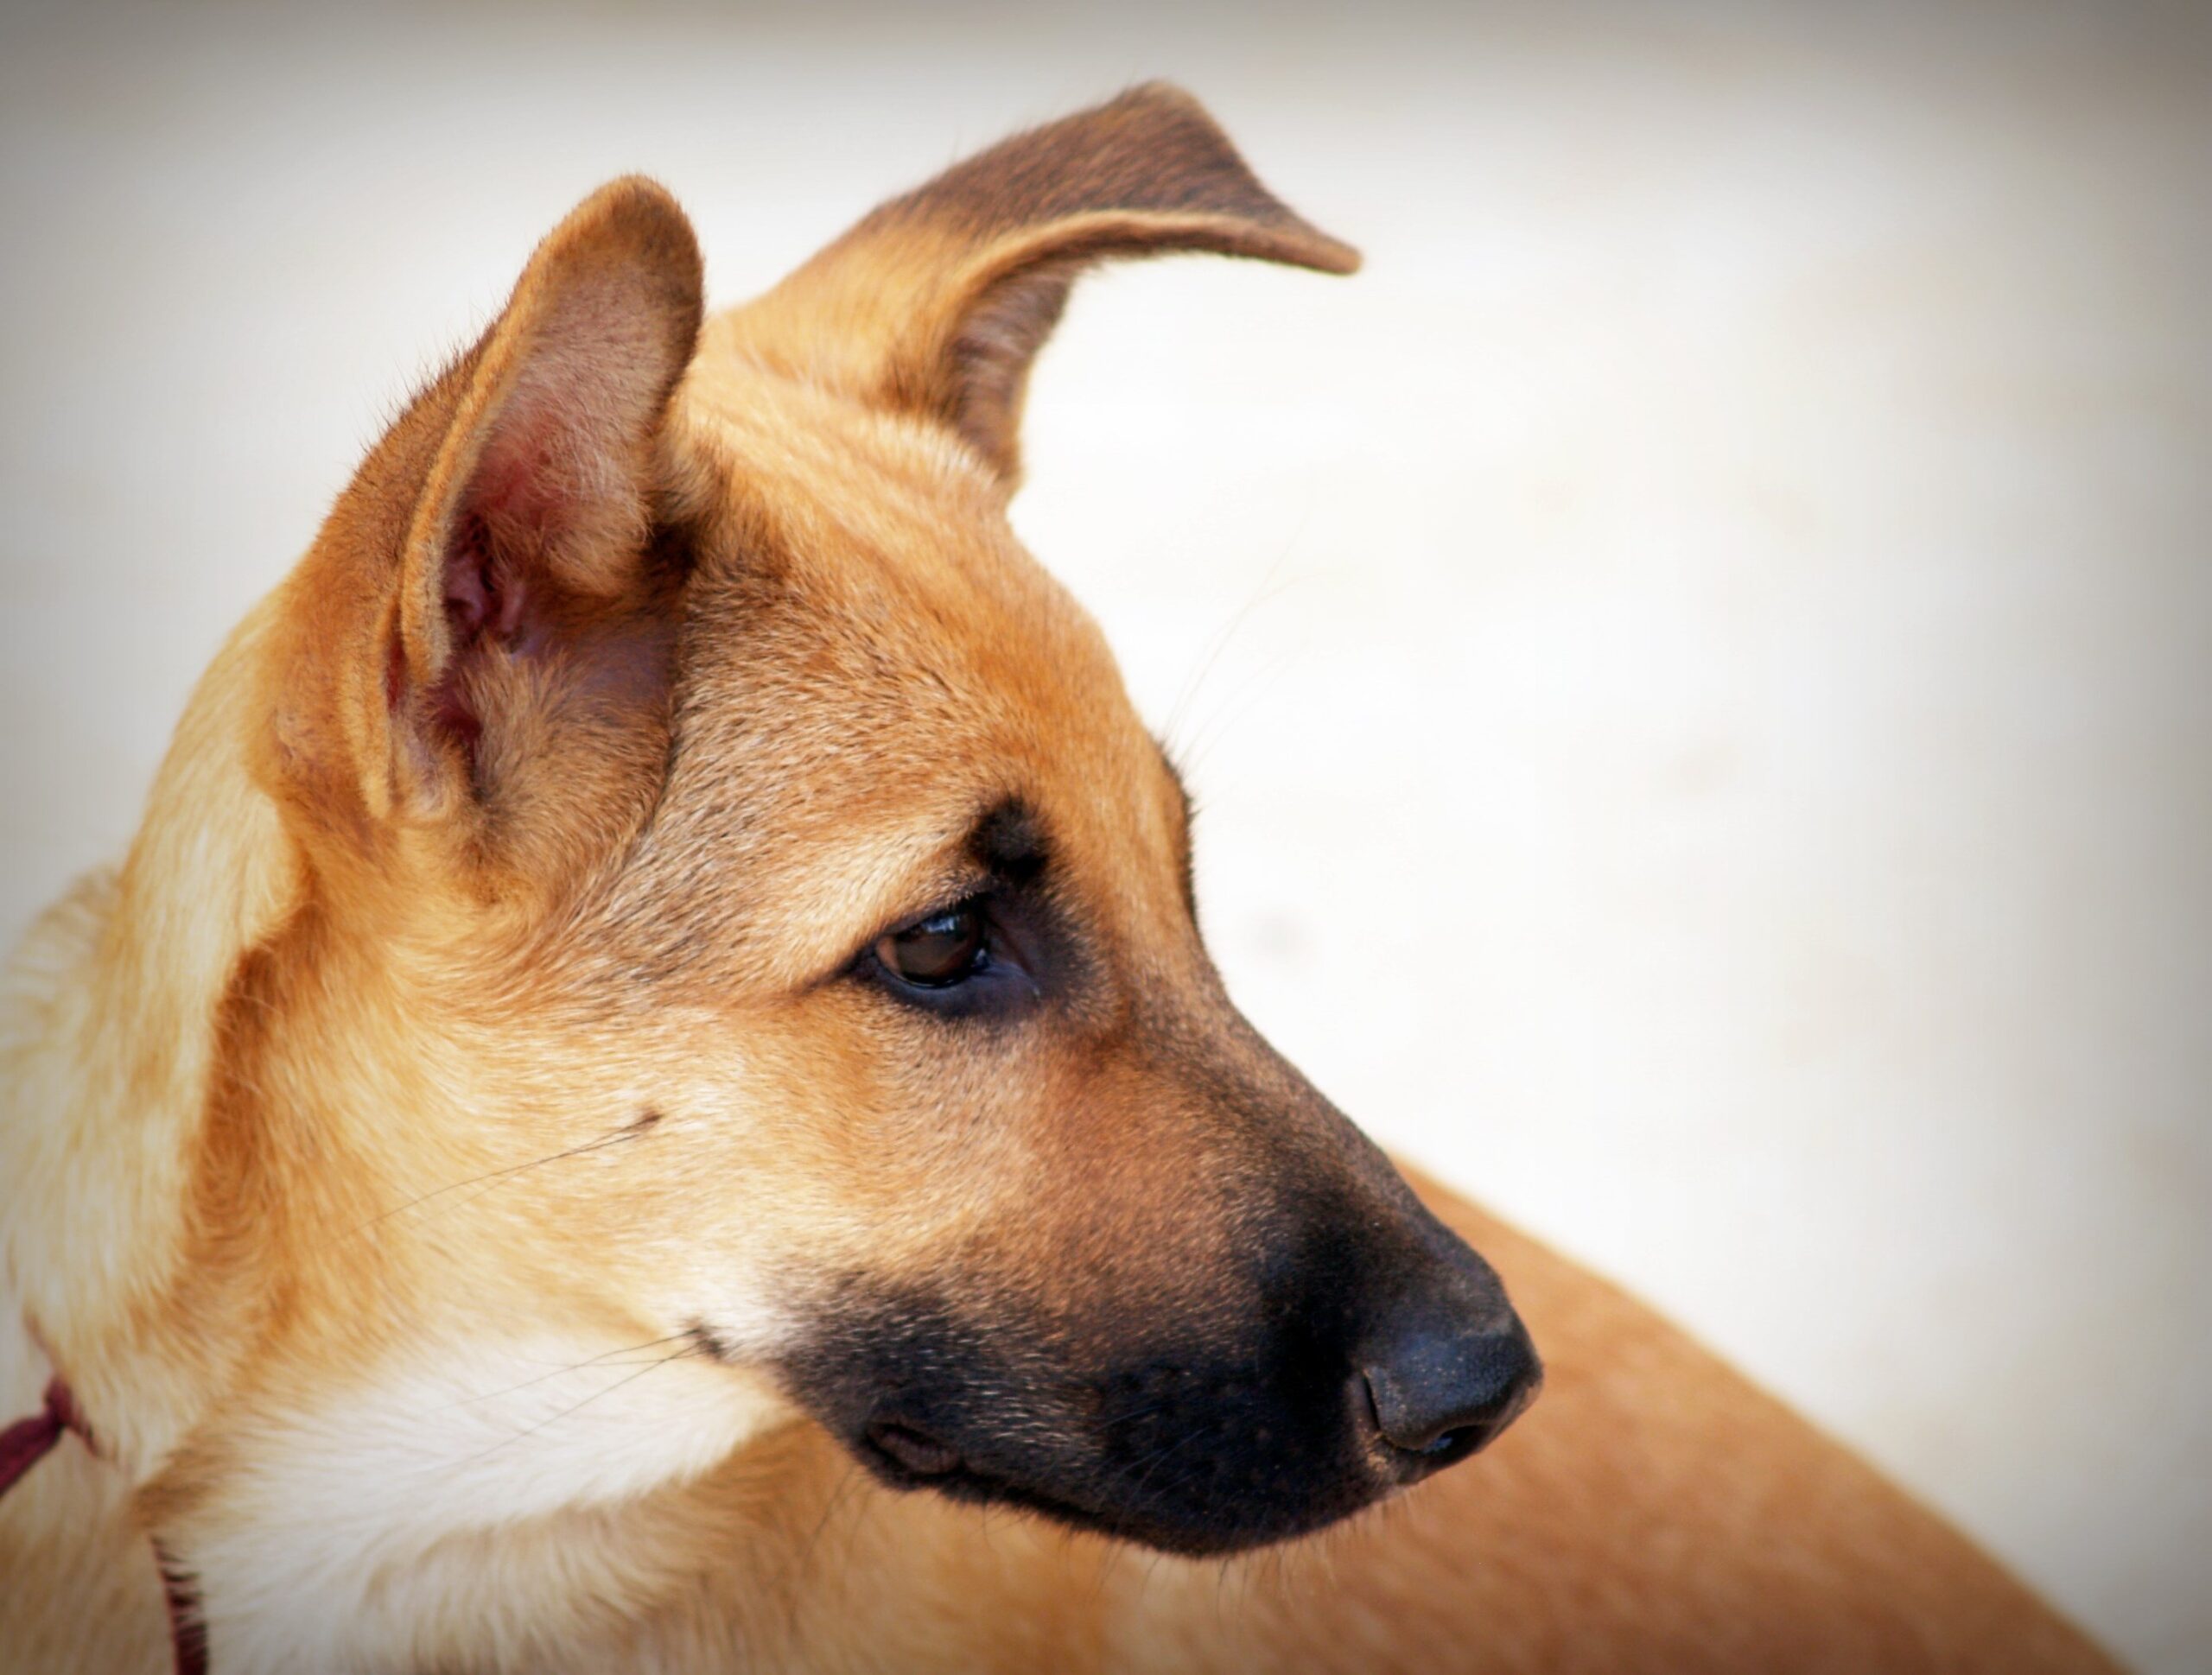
(1285, 236)
(1168, 108)
(1334, 256)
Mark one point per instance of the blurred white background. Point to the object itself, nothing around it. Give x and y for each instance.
(1697, 664)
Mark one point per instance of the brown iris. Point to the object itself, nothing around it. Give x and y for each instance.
(936, 952)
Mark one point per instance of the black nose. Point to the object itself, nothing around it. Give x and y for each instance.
(1438, 1392)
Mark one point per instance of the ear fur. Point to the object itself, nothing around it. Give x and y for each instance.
(505, 678)
(538, 498)
(937, 303)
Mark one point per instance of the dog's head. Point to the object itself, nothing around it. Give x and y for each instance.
(703, 793)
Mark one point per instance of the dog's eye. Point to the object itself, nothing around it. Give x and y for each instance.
(938, 952)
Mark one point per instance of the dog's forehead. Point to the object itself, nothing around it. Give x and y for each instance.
(863, 599)
(870, 663)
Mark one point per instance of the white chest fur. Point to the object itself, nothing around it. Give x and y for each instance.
(415, 1521)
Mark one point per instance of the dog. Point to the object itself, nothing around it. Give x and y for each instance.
(649, 1096)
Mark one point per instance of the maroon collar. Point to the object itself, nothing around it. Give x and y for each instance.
(27, 1442)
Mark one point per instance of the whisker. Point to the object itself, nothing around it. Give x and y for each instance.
(1222, 722)
(1266, 590)
(528, 1431)
(795, 1571)
(605, 1359)
(1160, 1459)
(496, 1176)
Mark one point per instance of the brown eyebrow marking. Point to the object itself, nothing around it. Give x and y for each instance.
(1009, 843)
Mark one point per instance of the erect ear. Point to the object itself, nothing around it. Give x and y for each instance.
(937, 302)
(528, 628)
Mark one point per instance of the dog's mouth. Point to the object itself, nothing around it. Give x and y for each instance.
(1231, 1433)
(907, 1452)
(1173, 1495)
(910, 1461)
(904, 1456)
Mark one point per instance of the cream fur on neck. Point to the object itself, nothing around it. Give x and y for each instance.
(105, 1046)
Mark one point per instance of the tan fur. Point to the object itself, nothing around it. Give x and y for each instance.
(376, 1133)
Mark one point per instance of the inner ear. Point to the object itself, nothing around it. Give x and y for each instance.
(552, 504)
(483, 599)
(529, 542)
(480, 598)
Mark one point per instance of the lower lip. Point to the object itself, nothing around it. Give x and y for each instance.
(922, 1456)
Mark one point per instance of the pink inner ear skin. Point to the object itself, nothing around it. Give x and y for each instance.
(483, 597)
(516, 493)
(470, 593)
(486, 592)
(518, 479)
(511, 511)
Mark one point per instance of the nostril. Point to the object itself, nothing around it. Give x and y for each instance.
(1440, 1396)
(1411, 1435)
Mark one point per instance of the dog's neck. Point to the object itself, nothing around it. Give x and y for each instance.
(121, 1038)
(110, 1042)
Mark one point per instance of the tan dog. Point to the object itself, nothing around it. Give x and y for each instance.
(652, 1064)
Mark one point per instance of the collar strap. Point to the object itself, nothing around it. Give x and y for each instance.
(27, 1442)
